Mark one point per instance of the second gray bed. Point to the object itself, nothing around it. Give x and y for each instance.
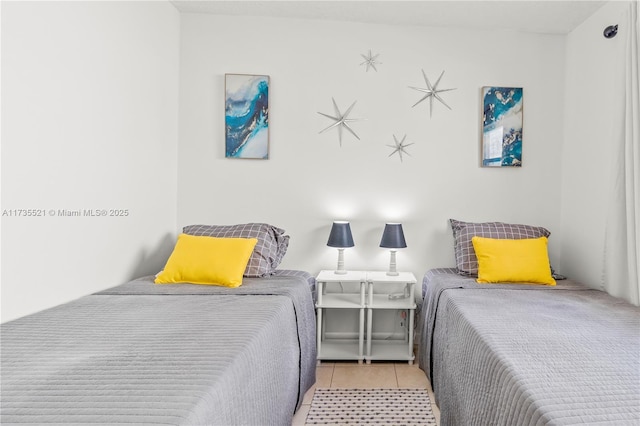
(513, 354)
(143, 353)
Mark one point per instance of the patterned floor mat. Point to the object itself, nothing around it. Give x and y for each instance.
(371, 406)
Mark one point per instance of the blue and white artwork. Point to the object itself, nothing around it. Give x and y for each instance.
(502, 127)
(246, 109)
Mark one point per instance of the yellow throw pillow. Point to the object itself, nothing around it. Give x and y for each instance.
(513, 261)
(208, 261)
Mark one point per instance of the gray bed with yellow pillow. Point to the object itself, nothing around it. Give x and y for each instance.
(171, 354)
(510, 351)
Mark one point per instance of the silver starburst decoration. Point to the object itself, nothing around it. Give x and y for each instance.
(431, 92)
(399, 147)
(341, 121)
(371, 61)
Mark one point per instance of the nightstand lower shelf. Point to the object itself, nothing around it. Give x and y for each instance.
(390, 350)
(345, 349)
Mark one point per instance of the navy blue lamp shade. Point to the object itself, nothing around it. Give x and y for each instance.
(340, 235)
(393, 237)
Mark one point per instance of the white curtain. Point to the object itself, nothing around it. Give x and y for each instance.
(622, 242)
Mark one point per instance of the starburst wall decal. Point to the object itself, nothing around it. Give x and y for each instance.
(431, 92)
(341, 120)
(371, 61)
(399, 147)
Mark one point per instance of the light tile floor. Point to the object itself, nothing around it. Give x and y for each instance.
(363, 376)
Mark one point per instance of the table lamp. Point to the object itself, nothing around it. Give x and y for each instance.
(393, 238)
(340, 237)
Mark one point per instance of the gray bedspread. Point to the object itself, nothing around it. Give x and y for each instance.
(142, 353)
(529, 355)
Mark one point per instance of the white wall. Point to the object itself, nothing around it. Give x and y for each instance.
(592, 72)
(89, 121)
(310, 180)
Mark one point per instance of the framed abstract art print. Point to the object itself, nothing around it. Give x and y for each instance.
(502, 127)
(246, 116)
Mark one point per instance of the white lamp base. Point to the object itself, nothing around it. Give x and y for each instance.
(392, 265)
(340, 270)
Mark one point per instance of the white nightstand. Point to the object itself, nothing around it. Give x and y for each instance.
(379, 296)
(336, 298)
(377, 291)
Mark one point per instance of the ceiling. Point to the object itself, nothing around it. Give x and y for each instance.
(541, 16)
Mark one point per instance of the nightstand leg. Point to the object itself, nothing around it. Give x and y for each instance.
(319, 333)
(361, 336)
(411, 315)
(369, 335)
